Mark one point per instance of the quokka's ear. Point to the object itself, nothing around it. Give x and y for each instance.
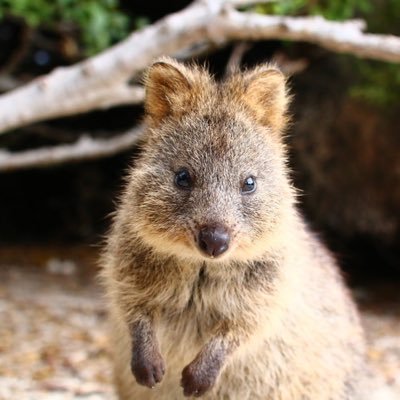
(167, 89)
(266, 95)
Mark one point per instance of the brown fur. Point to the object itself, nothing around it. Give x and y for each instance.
(269, 319)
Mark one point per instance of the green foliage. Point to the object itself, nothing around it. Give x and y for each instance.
(99, 21)
(378, 82)
(141, 22)
(331, 9)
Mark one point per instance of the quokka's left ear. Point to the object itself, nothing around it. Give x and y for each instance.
(167, 89)
(266, 95)
(173, 88)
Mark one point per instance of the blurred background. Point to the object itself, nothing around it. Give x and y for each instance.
(344, 152)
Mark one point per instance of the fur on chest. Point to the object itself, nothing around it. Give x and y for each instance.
(198, 295)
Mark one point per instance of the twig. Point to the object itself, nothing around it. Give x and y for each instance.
(236, 57)
(288, 66)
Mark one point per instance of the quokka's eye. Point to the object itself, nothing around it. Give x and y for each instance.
(183, 180)
(249, 185)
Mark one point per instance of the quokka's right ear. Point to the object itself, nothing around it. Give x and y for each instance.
(167, 89)
(266, 95)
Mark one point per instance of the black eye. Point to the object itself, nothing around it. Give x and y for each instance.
(249, 185)
(183, 179)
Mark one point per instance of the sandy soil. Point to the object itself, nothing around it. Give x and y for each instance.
(53, 341)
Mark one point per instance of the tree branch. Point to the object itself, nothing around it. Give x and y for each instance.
(86, 148)
(103, 81)
(235, 59)
(341, 37)
(85, 86)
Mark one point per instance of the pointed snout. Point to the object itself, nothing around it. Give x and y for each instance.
(213, 240)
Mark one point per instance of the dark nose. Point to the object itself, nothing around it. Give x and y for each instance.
(213, 240)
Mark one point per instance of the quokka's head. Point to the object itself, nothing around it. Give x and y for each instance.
(211, 182)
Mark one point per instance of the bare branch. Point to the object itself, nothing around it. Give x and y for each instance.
(290, 67)
(88, 84)
(341, 37)
(102, 81)
(86, 148)
(236, 57)
(118, 95)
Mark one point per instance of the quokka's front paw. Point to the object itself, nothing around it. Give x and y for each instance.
(198, 377)
(147, 367)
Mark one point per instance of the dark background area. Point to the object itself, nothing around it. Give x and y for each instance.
(344, 155)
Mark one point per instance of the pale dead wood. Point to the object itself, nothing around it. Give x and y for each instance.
(341, 37)
(86, 148)
(102, 81)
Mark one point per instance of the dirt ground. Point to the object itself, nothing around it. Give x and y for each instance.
(53, 339)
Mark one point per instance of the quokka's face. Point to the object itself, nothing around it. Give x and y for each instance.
(211, 182)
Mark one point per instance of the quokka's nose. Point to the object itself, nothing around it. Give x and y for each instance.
(213, 240)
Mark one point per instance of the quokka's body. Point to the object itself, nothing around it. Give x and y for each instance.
(214, 281)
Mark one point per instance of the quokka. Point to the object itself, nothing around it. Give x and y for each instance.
(216, 286)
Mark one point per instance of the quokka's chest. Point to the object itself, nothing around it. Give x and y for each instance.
(197, 300)
(192, 297)
(187, 316)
